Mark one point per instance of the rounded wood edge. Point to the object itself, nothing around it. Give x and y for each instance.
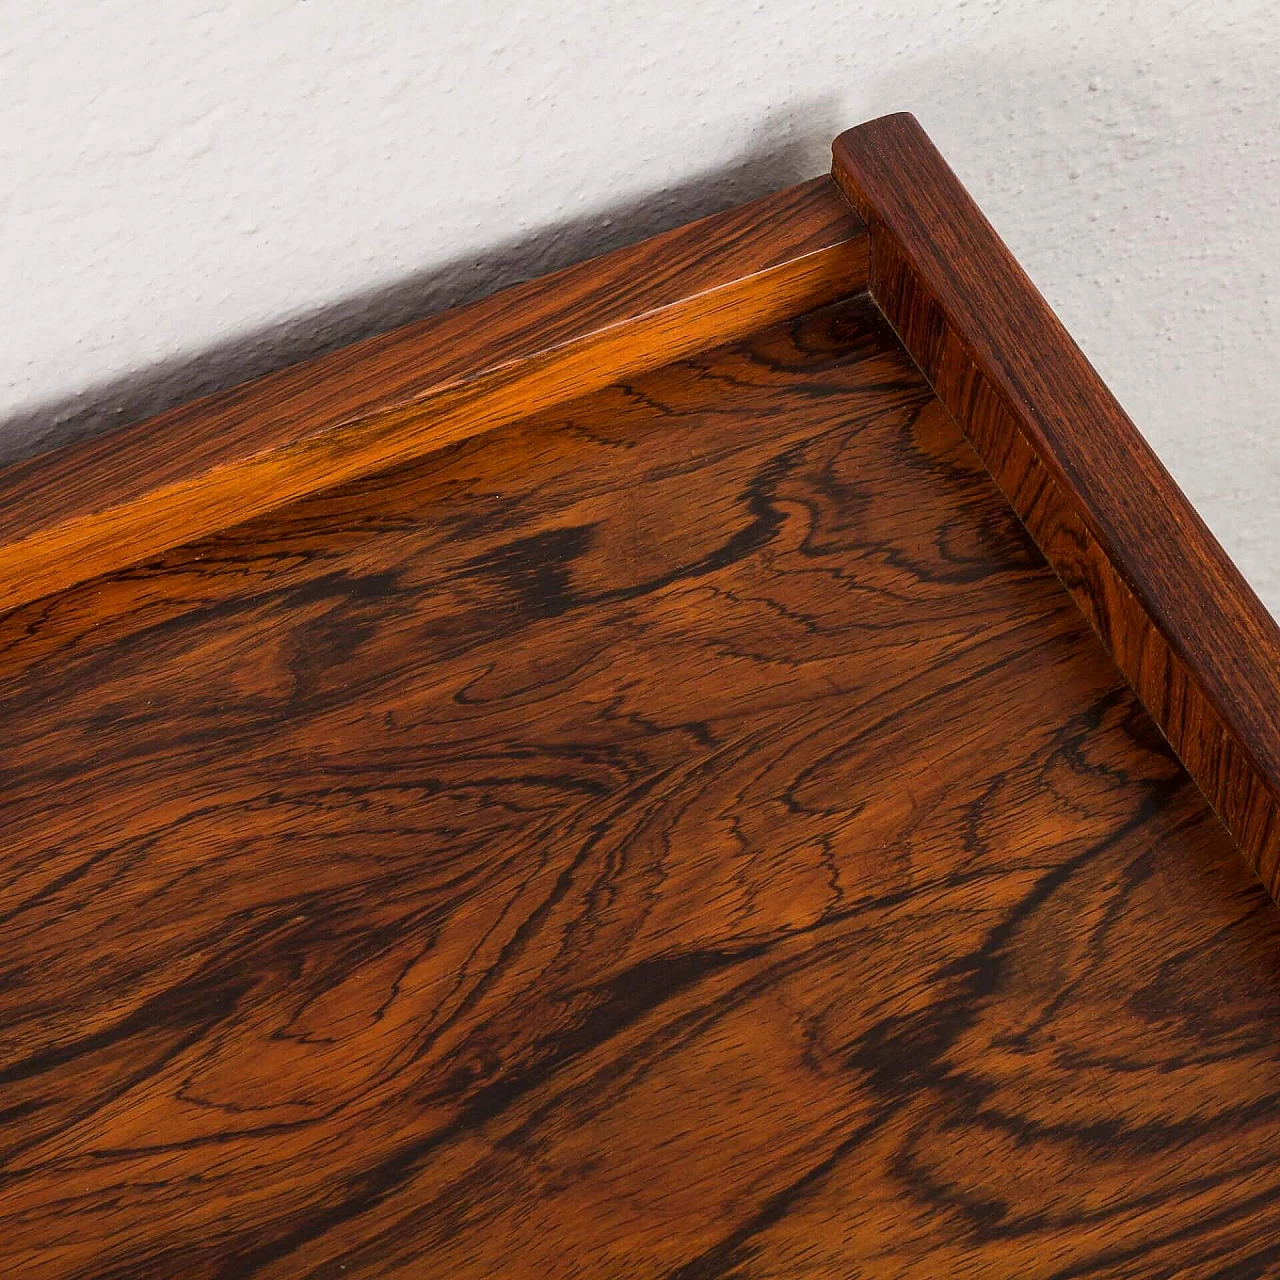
(115, 501)
(1197, 646)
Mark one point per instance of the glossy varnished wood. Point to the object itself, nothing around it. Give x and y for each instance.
(1196, 644)
(70, 515)
(688, 834)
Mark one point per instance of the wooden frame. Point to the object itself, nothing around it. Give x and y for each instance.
(602, 780)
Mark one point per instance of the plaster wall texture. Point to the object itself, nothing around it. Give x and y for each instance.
(194, 192)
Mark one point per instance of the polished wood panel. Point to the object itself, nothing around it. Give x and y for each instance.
(1193, 639)
(84, 510)
(688, 834)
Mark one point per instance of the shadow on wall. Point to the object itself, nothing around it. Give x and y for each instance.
(788, 147)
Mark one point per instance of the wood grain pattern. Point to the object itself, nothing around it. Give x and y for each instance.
(689, 834)
(84, 510)
(1188, 632)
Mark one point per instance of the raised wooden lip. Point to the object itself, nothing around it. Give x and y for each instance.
(1190, 636)
(85, 510)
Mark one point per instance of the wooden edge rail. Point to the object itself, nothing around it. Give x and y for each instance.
(78, 512)
(1190, 636)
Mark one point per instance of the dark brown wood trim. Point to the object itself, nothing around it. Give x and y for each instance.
(85, 510)
(1193, 640)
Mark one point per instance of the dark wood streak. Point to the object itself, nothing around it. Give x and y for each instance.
(1194, 641)
(689, 834)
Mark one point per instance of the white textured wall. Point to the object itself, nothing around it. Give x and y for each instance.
(195, 191)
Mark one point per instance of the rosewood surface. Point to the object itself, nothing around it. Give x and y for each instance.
(691, 833)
